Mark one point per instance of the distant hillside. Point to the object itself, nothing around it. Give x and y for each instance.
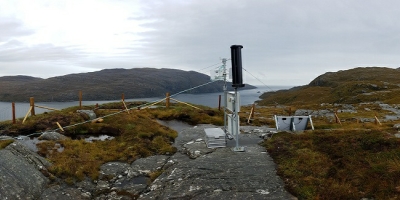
(106, 84)
(364, 84)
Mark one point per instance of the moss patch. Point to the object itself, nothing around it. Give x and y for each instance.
(5, 143)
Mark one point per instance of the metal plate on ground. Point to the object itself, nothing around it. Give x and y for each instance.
(215, 137)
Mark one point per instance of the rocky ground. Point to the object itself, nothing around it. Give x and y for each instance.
(194, 172)
(348, 108)
(197, 172)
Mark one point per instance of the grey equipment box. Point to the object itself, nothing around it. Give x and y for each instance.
(215, 137)
(293, 123)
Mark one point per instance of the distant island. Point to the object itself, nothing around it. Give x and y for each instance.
(107, 84)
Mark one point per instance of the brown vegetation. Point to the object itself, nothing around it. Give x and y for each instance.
(136, 134)
(347, 160)
(347, 164)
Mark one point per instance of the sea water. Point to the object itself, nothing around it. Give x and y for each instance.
(247, 97)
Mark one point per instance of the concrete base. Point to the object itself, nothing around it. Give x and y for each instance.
(239, 149)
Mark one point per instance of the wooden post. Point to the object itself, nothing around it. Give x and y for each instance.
(337, 118)
(219, 102)
(253, 110)
(32, 103)
(60, 127)
(13, 112)
(251, 114)
(377, 120)
(123, 97)
(167, 100)
(126, 108)
(97, 106)
(80, 99)
(26, 116)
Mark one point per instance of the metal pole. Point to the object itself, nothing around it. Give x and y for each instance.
(225, 91)
(235, 121)
(219, 102)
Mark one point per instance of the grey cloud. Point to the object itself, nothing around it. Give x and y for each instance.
(285, 42)
(15, 50)
(40, 68)
(280, 36)
(11, 28)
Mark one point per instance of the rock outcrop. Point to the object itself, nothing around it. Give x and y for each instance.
(21, 173)
(52, 135)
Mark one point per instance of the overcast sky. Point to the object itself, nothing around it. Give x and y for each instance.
(286, 42)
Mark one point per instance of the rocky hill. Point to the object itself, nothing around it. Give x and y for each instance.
(106, 84)
(363, 84)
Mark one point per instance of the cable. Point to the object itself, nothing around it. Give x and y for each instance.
(259, 80)
(209, 66)
(191, 89)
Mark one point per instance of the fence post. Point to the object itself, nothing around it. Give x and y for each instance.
(167, 100)
(253, 110)
(123, 97)
(80, 99)
(377, 120)
(219, 102)
(32, 103)
(337, 118)
(13, 112)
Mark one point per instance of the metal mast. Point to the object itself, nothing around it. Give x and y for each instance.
(225, 91)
